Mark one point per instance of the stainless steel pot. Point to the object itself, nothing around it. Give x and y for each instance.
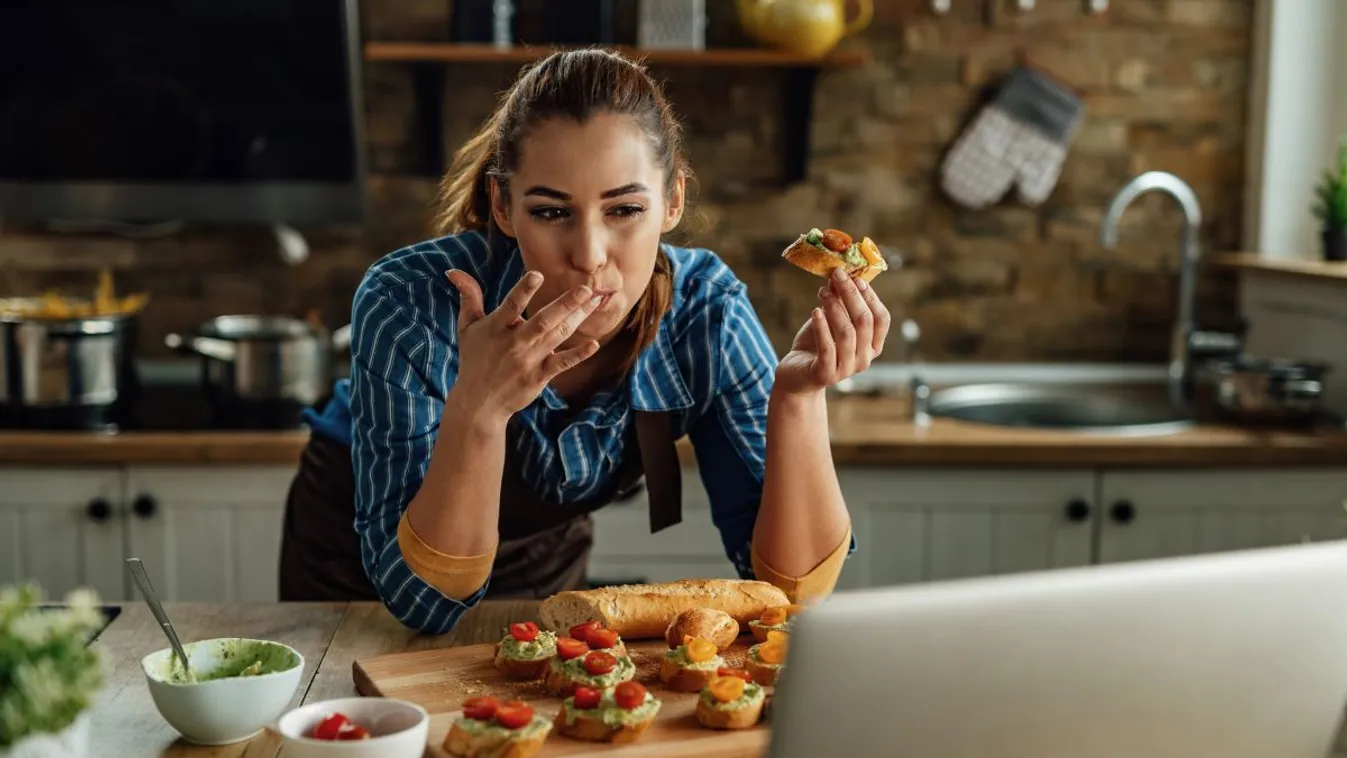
(262, 359)
(64, 372)
(1271, 391)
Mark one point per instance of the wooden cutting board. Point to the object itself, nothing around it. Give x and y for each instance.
(440, 680)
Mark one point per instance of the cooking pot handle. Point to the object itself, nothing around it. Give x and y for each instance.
(341, 338)
(220, 350)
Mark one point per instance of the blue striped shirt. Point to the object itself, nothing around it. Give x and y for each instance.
(711, 365)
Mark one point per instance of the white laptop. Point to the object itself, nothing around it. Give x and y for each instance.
(1229, 655)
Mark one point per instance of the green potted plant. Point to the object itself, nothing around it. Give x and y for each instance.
(1331, 206)
(49, 674)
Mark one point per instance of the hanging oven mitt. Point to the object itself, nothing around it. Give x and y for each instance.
(1020, 138)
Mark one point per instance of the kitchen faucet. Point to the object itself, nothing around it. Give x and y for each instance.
(1185, 339)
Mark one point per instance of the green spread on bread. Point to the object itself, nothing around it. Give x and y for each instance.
(612, 714)
(680, 656)
(784, 626)
(544, 646)
(753, 693)
(852, 255)
(574, 669)
(479, 728)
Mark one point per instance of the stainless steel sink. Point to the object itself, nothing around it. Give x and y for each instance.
(1123, 410)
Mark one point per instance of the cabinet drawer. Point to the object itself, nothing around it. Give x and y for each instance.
(624, 531)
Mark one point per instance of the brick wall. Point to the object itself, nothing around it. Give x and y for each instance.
(1165, 88)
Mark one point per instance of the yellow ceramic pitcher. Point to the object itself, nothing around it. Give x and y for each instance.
(807, 27)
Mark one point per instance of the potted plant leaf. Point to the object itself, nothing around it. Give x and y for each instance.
(49, 675)
(1331, 206)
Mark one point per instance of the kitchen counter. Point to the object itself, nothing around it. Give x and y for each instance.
(866, 431)
(330, 636)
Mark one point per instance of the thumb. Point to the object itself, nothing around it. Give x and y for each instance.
(471, 309)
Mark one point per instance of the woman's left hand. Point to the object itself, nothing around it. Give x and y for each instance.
(844, 334)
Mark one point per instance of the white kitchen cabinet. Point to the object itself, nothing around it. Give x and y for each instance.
(208, 533)
(916, 525)
(63, 529)
(1155, 514)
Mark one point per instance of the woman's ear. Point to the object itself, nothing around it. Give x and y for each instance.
(500, 213)
(673, 212)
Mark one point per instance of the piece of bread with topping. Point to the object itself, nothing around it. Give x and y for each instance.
(619, 714)
(774, 619)
(599, 637)
(644, 611)
(690, 666)
(489, 728)
(525, 651)
(766, 659)
(576, 665)
(819, 252)
(715, 625)
(731, 700)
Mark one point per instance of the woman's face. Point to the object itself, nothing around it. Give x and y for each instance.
(587, 206)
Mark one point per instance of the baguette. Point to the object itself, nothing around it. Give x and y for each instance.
(462, 744)
(645, 611)
(811, 256)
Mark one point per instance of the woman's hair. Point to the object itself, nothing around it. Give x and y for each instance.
(574, 85)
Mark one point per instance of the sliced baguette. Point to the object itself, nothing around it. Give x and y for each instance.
(738, 718)
(762, 673)
(820, 262)
(520, 669)
(681, 679)
(594, 730)
(645, 611)
(462, 744)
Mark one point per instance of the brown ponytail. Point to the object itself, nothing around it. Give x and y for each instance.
(577, 85)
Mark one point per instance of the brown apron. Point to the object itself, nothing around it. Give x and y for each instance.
(544, 546)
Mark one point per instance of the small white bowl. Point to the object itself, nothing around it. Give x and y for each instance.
(223, 711)
(398, 729)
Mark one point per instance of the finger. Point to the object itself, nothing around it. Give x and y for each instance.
(554, 313)
(569, 324)
(470, 309)
(563, 360)
(517, 301)
(843, 333)
(881, 313)
(861, 318)
(823, 336)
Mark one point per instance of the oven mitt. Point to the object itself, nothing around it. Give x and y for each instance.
(1020, 138)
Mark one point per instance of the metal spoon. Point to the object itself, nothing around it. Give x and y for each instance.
(152, 599)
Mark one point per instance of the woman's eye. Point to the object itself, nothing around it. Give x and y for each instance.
(627, 211)
(548, 213)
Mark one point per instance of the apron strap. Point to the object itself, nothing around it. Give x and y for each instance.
(663, 471)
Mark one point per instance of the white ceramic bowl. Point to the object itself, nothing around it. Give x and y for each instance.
(397, 729)
(221, 711)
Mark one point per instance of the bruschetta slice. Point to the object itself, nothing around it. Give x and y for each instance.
(599, 637)
(730, 701)
(775, 619)
(766, 659)
(525, 651)
(619, 714)
(489, 728)
(690, 666)
(575, 665)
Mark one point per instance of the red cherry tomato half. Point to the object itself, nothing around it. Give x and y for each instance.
(481, 708)
(587, 697)
(330, 727)
(568, 648)
(728, 671)
(525, 632)
(599, 663)
(629, 695)
(354, 732)
(602, 638)
(581, 631)
(514, 714)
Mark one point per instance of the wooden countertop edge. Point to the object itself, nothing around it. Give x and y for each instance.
(1294, 267)
(1200, 448)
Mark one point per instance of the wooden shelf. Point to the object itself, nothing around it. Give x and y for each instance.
(1304, 268)
(443, 52)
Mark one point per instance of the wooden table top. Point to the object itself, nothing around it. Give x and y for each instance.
(865, 431)
(330, 636)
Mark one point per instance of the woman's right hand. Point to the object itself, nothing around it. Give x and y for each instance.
(505, 360)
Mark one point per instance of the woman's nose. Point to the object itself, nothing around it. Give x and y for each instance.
(590, 251)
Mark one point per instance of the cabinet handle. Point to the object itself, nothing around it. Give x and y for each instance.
(144, 506)
(98, 510)
(1077, 510)
(1123, 512)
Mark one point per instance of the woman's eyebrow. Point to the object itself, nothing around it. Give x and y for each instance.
(556, 194)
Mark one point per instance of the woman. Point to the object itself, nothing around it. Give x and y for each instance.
(491, 409)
